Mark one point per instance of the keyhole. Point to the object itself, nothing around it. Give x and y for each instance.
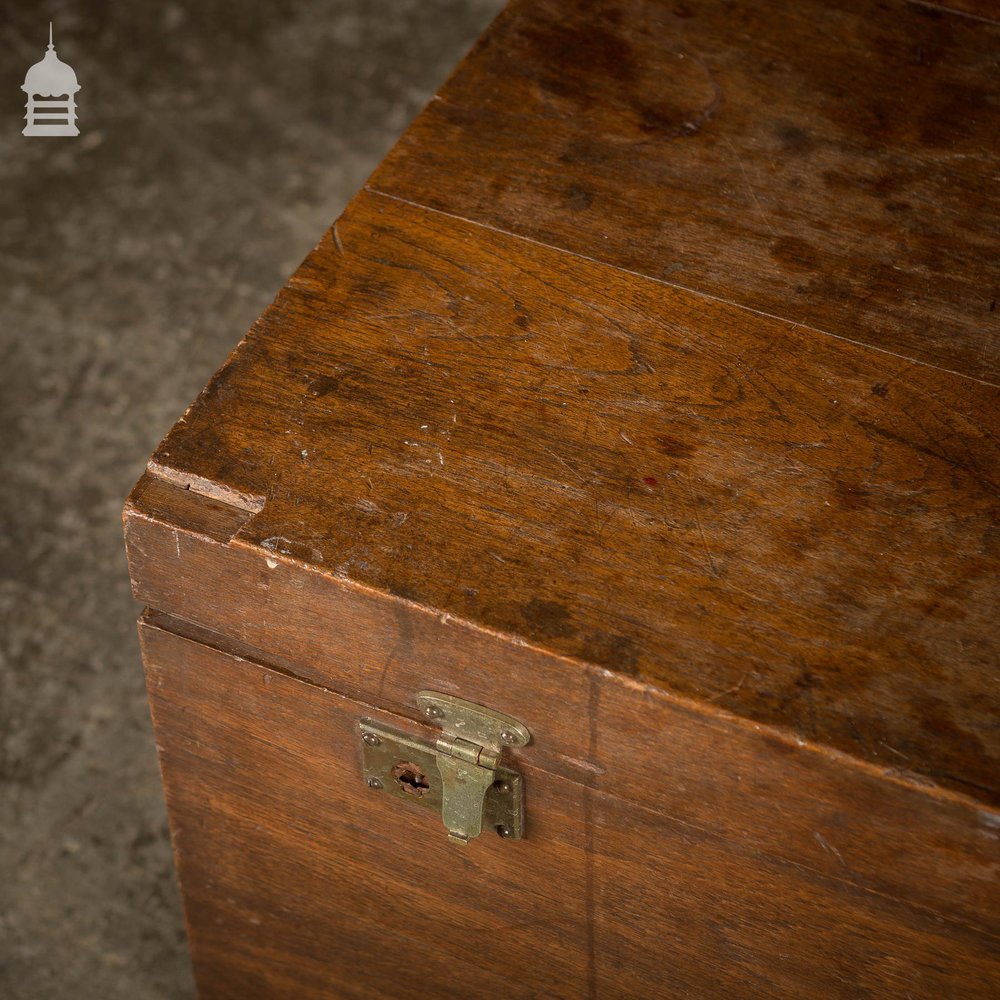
(410, 778)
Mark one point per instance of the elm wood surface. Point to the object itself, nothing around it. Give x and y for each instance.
(791, 527)
(300, 882)
(736, 574)
(833, 162)
(767, 792)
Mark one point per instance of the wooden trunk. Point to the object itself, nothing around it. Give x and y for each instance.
(648, 395)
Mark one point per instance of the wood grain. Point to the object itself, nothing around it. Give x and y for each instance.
(875, 829)
(704, 492)
(796, 529)
(832, 163)
(300, 882)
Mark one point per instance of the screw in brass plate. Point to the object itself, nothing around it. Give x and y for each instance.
(508, 737)
(375, 784)
(503, 831)
(433, 712)
(503, 786)
(371, 739)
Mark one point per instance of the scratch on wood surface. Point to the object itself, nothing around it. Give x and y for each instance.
(701, 530)
(561, 461)
(898, 753)
(336, 239)
(753, 193)
(732, 690)
(829, 848)
(385, 669)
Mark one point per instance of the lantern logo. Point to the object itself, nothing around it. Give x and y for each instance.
(51, 88)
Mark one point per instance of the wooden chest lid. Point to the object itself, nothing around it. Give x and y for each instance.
(732, 432)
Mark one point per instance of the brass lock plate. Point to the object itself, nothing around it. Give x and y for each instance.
(397, 764)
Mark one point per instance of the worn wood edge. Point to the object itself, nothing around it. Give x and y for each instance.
(206, 487)
(153, 620)
(908, 779)
(206, 516)
(249, 502)
(372, 189)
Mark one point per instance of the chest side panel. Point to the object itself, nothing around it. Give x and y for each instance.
(300, 881)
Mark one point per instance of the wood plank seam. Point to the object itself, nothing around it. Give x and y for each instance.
(708, 296)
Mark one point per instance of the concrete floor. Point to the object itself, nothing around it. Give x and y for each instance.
(218, 142)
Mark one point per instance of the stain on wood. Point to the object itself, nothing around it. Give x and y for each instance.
(704, 491)
(830, 163)
(712, 515)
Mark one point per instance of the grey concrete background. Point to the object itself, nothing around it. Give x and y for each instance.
(218, 142)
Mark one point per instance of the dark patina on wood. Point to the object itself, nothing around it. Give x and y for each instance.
(704, 492)
(788, 526)
(833, 163)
